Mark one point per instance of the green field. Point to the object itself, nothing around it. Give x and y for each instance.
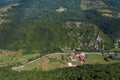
(59, 60)
(12, 58)
(48, 62)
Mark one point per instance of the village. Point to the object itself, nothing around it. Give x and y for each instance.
(55, 60)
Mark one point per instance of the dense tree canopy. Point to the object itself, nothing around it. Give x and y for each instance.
(43, 25)
(91, 72)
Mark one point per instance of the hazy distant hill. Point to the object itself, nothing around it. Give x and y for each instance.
(55, 25)
(7, 2)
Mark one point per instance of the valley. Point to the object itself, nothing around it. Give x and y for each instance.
(39, 39)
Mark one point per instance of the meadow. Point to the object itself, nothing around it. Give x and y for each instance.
(60, 60)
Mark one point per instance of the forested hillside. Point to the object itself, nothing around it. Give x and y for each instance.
(53, 25)
(7, 2)
(86, 72)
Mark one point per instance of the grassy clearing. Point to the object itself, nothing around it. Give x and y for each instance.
(47, 62)
(15, 58)
(104, 11)
(6, 8)
(107, 15)
(3, 11)
(95, 58)
(61, 9)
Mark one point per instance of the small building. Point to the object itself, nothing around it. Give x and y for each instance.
(1, 62)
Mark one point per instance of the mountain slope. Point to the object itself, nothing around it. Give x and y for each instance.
(53, 25)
